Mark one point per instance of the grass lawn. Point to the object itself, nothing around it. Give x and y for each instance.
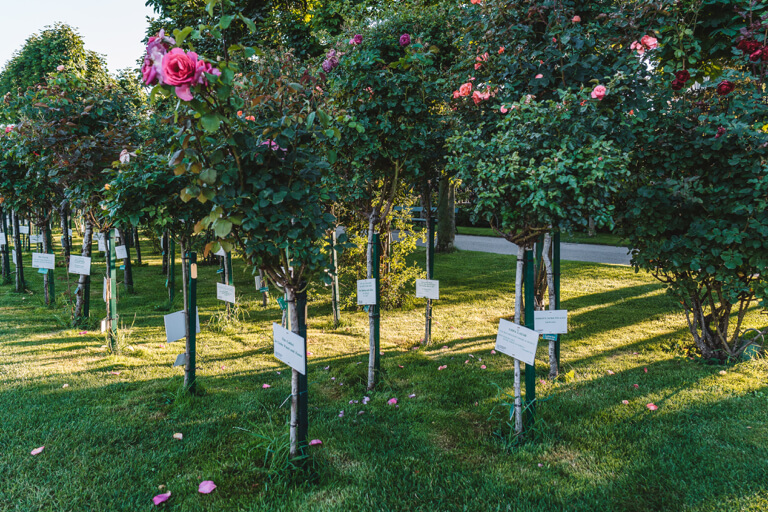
(108, 438)
(574, 238)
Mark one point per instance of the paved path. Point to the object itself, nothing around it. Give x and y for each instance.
(571, 252)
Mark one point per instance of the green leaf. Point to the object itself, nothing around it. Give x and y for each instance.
(208, 176)
(226, 21)
(222, 228)
(210, 122)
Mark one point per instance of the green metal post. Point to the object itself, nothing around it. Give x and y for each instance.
(376, 308)
(51, 280)
(335, 281)
(171, 269)
(6, 252)
(303, 398)
(112, 297)
(556, 272)
(192, 322)
(430, 273)
(228, 269)
(530, 371)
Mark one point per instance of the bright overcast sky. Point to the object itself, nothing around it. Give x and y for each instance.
(113, 28)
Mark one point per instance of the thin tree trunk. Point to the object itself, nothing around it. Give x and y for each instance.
(371, 318)
(591, 231)
(426, 197)
(188, 371)
(547, 257)
(20, 286)
(446, 216)
(63, 215)
(137, 244)
(82, 281)
(46, 280)
(164, 249)
(125, 238)
(518, 321)
(293, 322)
(264, 295)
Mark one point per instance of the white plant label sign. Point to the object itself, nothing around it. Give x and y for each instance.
(35, 239)
(23, 230)
(289, 348)
(120, 252)
(551, 322)
(428, 289)
(174, 326)
(80, 265)
(13, 256)
(43, 260)
(102, 245)
(225, 292)
(220, 252)
(517, 341)
(366, 292)
(3, 241)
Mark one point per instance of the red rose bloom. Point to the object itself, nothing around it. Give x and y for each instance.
(683, 76)
(748, 46)
(725, 87)
(677, 84)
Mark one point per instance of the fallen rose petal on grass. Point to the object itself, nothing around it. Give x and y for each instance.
(652, 406)
(37, 450)
(315, 442)
(482, 367)
(493, 352)
(443, 367)
(645, 370)
(392, 401)
(625, 402)
(636, 386)
(266, 386)
(413, 395)
(178, 435)
(610, 372)
(161, 498)
(206, 487)
(65, 386)
(115, 373)
(400, 366)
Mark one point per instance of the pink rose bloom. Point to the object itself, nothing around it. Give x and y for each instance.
(149, 72)
(357, 39)
(649, 42)
(456, 94)
(9, 128)
(465, 89)
(503, 109)
(60, 67)
(576, 19)
(637, 46)
(203, 68)
(598, 93)
(274, 146)
(180, 69)
(539, 76)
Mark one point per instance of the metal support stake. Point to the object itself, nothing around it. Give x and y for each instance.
(556, 272)
(171, 269)
(303, 398)
(530, 370)
(112, 291)
(192, 322)
(51, 281)
(430, 274)
(376, 308)
(335, 281)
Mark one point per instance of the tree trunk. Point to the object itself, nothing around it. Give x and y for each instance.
(264, 295)
(293, 322)
(371, 317)
(48, 276)
(137, 244)
(591, 231)
(82, 282)
(18, 249)
(446, 216)
(427, 200)
(518, 320)
(125, 238)
(63, 216)
(164, 249)
(547, 257)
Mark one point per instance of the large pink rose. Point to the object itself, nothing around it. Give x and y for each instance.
(598, 93)
(649, 42)
(180, 69)
(149, 71)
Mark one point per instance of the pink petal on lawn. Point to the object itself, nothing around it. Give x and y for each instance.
(412, 395)
(178, 435)
(161, 498)
(37, 450)
(361, 412)
(400, 366)
(466, 362)
(327, 368)
(65, 386)
(265, 386)
(315, 442)
(392, 401)
(493, 352)
(482, 367)
(310, 354)
(206, 487)
(645, 370)
(115, 373)
(442, 367)
(652, 406)
(470, 355)
(610, 372)
(636, 386)
(625, 402)
(445, 347)
(277, 373)
(83, 332)
(541, 465)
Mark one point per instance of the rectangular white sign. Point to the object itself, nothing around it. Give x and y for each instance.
(174, 325)
(121, 252)
(258, 282)
(517, 341)
(80, 265)
(23, 230)
(43, 260)
(290, 348)
(428, 289)
(35, 239)
(70, 232)
(13, 256)
(551, 322)
(2, 239)
(366, 292)
(102, 245)
(225, 292)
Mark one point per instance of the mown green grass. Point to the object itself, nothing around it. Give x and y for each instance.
(108, 438)
(573, 238)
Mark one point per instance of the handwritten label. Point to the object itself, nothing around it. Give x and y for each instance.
(23, 230)
(80, 265)
(102, 245)
(366, 292)
(174, 325)
(517, 341)
(428, 289)
(43, 260)
(121, 252)
(35, 239)
(290, 348)
(551, 322)
(225, 292)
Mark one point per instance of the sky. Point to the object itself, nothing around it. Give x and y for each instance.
(113, 28)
